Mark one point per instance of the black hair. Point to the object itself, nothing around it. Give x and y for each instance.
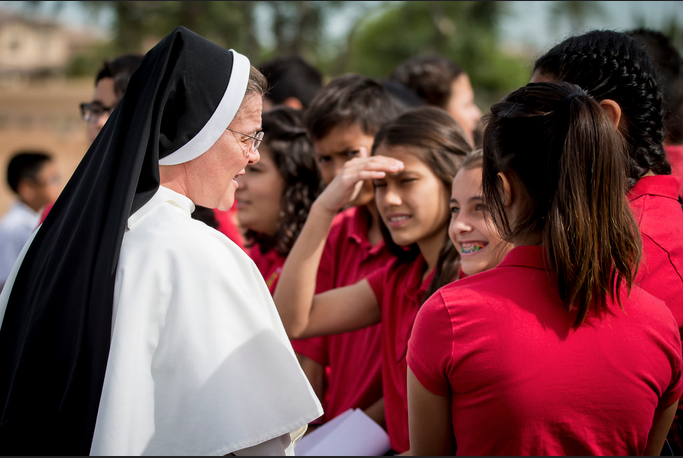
(430, 77)
(404, 98)
(612, 65)
(119, 69)
(205, 215)
(350, 99)
(291, 76)
(292, 153)
(669, 65)
(25, 164)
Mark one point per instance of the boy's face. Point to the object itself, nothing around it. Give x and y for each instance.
(340, 145)
(44, 189)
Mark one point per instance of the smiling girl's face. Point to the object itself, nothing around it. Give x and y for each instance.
(480, 248)
(413, 203)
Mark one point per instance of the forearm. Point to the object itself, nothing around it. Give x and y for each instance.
(296, 287)
(315, 373)
(376, 412)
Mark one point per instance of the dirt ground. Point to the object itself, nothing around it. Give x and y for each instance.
(42, 116)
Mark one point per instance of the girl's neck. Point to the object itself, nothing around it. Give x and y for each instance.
(430, 248)
(528, 239)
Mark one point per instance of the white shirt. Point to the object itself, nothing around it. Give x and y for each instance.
(199, 363)
(15, 229)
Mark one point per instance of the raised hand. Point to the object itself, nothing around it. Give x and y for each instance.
(349, 181)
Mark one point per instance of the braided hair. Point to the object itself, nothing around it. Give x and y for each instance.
(612, 65)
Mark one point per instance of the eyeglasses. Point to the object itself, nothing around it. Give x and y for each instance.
(91, 112)
(257, 138)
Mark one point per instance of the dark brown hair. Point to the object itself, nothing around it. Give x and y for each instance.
(442, 146)
(430, 77)
(347, 100)
(292, 153)
(119, 69)
(565, 163)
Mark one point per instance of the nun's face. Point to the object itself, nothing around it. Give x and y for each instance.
(212, 176)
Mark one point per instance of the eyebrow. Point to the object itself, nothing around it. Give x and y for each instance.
(471, 199)
(347, 150)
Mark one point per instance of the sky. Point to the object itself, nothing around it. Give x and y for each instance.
(528, 22)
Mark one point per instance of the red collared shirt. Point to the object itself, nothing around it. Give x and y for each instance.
(674, 154)
(523, 382)
(353, 360)
(269, 264)
(654, 202)
(399, 290)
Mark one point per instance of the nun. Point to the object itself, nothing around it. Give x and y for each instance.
(126, 326)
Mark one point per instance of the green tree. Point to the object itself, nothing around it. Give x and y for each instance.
(465, 32)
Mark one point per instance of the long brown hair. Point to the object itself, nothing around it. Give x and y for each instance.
(557, 145)
(441, 145)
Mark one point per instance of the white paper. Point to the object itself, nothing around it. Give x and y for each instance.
(352, 433)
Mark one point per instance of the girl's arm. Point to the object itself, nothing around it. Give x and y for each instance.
(429, 421)
(664, 416)
(295, 292)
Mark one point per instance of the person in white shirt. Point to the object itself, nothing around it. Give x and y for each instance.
(33, 177)
(130, 328)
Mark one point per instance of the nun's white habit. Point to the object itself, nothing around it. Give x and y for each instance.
(128, 327)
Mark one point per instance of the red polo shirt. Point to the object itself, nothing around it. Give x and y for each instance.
(226, 225)
(352, 360)
(654, 202)
(399, 290)
(269, 264)
(674, 154)
(523, 382)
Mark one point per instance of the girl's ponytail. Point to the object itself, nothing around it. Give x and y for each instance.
(568, 162)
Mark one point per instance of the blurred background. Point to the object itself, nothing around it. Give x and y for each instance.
(50, 51)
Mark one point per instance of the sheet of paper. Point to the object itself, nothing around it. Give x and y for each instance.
(352, 433)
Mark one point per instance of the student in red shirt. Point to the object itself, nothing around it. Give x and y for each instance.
(414, 159)
(481, 248)
(538, 355)
(344, 117)
(275, 195)
(616, 70)
(669, 64)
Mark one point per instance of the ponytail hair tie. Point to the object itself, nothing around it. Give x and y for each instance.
(571, 96)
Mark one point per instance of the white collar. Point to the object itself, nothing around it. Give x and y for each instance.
(162, 196)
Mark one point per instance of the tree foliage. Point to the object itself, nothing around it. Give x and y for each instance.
(465, 32)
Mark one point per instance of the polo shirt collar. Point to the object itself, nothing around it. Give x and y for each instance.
(162, 196)
(411, 289)
(531, 256)
(658, 185)
(359, 228)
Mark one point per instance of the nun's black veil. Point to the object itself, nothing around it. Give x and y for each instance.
(55, 336)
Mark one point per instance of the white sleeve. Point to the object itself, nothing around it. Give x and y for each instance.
(280, 446)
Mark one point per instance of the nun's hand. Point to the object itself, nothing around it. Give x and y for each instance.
(346, 186)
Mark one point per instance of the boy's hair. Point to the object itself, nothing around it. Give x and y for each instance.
(350, 99)
(25, 164)
(119, 69)
(291, 76)
(669, 66)
(430, 77)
